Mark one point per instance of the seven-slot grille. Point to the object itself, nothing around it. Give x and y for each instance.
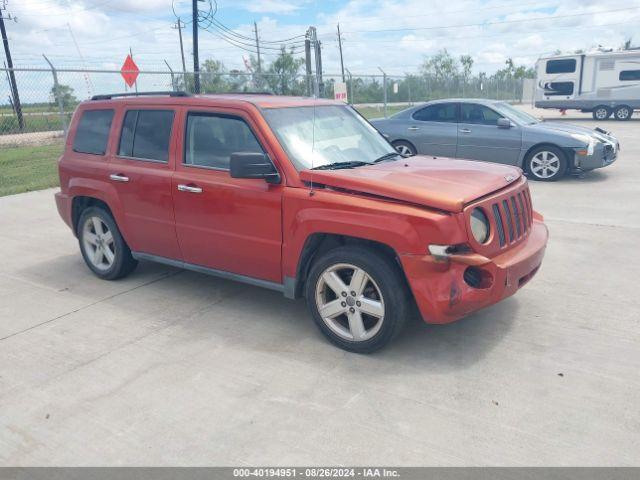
(513, 217)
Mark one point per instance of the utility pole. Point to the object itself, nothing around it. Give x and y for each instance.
(340, 47)
(14, 86)
(179, 26)
(196, 60)
(319, 65)
(307, 59)
(384, 86)
(255, 29)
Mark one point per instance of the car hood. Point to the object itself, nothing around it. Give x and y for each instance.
(569, 129)
(440, 183)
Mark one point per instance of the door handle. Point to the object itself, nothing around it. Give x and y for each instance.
(413, 128)
(118, 177)
(465, 130)
(189, 188)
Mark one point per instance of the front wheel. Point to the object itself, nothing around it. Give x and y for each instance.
(357, 297)
(103, 248)
(601, 112)
(546, 164)
(404, 148)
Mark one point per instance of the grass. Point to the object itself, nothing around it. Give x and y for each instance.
(24, 169)
(378, 112)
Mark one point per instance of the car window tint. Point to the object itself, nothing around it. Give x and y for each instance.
(567, 65)
(478, 114)
(558, 88)
(146, 134)
(441, 112)
(627, 75)
(211, 139)
(92, 133)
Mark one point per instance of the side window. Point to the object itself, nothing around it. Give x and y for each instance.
(558, 88)
(567, 65)
(478, 114)
(628, 75)
(92, 133)
(440, 112)
(211, 139)
(146, 134)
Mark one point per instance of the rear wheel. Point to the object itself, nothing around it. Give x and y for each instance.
(601, 112)
(357, 297)
(103, 248)
(546, 163)
(404, 148)
(623, 112)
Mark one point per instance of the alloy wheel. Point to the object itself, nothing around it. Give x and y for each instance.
(545, 164)
(404, 150)
(350, 302)
(98, 243)
(602, 113)
(623, 113)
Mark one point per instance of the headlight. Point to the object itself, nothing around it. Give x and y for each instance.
(479, 225)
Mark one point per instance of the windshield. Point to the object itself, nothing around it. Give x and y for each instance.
(515, 114)
(337, 135)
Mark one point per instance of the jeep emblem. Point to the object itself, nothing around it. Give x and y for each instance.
(509, 178)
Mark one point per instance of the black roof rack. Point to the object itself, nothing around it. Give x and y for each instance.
(109, 96)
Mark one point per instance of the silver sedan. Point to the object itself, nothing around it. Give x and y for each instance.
(495, 131)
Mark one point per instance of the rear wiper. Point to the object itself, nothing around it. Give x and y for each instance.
(339, 165)
(387, 156)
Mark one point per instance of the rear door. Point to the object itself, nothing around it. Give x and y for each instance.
(140, 170)
(434, 129)
(480, 138)
(223, 223)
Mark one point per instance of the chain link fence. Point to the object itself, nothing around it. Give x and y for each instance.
(48, 97)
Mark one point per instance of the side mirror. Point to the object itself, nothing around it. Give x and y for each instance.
(504, 123)
(253, 165)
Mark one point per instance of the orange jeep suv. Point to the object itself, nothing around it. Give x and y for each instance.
(297, 195)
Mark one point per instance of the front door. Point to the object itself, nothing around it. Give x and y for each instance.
(228, 224)
(480, 137)
(434, 129)
(140, 170)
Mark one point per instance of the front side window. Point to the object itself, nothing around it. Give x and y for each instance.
(629, 75)
(567, 65)
(440, 112)
(325, 135)
(478, 114)
(146, 134)
(211, 139)
(92, 133)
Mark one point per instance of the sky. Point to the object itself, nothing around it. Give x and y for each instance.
(392, 35)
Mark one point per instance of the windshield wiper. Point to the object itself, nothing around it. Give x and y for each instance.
(339, 165)
(387, 156)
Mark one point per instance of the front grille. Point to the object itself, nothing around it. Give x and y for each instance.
(512, 217)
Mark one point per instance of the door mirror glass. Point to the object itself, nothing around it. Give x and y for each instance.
(253, 165)
(504, 123)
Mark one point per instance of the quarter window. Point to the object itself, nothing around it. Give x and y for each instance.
(92, 133)
(567, 65)
(211, 139)
(146, 134)
(629, 75)
(478, 114)
(440, 112)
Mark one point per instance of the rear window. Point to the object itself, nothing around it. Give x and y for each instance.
(146, 134)
(567, 65)
(627, 75)
(92, 133)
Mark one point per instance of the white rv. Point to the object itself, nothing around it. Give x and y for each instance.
(604, 83)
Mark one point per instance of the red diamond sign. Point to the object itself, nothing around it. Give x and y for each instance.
(129, 71)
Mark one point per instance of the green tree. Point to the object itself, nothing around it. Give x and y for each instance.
(213, 77)
(282, 75)
(64, 93)
(467, 64)
(441, 66)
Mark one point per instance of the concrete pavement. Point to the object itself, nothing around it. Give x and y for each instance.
(170, 367)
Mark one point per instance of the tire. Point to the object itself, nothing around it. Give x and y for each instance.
(104, 250)
(404, 148)
(379, 288)
(546, 163)
(601, 112)
(623, 113)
